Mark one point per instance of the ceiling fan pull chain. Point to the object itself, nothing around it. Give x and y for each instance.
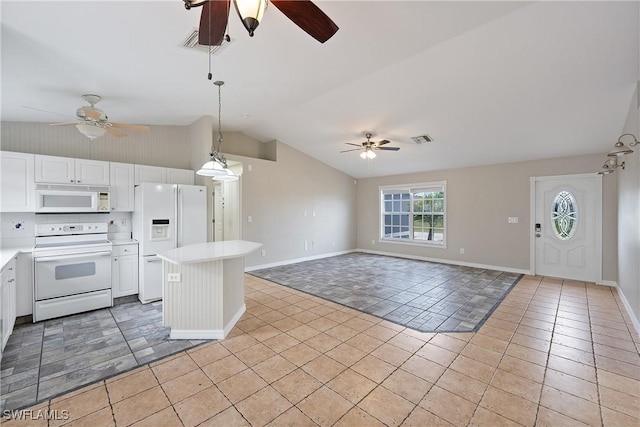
(209, 76)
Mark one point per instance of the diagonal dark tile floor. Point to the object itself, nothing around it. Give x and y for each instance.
(425, 296)
(45, 359)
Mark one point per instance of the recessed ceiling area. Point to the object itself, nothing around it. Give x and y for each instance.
(490, 82)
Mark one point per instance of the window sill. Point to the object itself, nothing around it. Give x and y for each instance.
(413, 243)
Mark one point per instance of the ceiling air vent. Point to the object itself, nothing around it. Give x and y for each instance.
(421, 139)
(191, 42)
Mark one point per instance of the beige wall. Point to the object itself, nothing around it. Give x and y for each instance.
(163, 146)
(276, 196)
(479, 200)
(629, 216)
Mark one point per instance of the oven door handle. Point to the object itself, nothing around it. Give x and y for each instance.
(64, 257)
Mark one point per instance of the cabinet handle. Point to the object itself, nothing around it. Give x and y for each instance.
(115, 259)
(78, 181)
(71, 180)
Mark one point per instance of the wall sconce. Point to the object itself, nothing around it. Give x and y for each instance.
(610, 166)
(620, 149)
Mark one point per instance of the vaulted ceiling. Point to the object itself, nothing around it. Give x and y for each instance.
(490, 82)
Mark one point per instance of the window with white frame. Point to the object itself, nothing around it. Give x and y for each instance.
(414, 213)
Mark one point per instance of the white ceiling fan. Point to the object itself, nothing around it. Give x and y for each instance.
(93, 123)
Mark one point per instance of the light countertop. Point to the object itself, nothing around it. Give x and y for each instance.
(7, 254)
(211, 251)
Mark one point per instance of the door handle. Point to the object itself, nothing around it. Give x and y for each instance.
(537, 234)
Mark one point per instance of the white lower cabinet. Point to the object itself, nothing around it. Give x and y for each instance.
(124, 270)
(7, 301)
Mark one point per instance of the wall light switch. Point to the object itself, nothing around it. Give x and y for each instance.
(263, 253)
(249, 168)
(249, 218)
(174, 277)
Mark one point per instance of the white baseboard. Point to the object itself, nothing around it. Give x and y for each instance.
(627, 306)
(234, 320)
(611, 283)
(197, 334)
(297, 260)
(448, 261)
(207, 334)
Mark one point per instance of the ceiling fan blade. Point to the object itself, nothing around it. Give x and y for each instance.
(355, 149)
(50, 112)
(213, 22)
(135, 128)
(383, 142)
(388, 148)
(355, 145)
(91, 113)
(64, 124)
(115, 132)
(309, 17)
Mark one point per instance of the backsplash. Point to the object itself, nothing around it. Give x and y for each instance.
(18, 228)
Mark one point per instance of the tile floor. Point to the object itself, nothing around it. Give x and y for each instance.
(553, 353)
(44, 359)
(424, 296)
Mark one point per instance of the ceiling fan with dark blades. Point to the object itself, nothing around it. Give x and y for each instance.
(368, 147)
(92, 122)
(303, 13)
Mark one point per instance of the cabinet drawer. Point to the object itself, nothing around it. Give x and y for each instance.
(119, 250)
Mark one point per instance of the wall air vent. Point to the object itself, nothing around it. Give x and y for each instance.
(421, 139)
(191, 42)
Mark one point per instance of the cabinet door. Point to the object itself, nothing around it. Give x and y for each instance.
(92, 172)
(17, 184)
(152, 174)
(124, 275)
(180, 176)
(51, 169)
(122, 183)
(8, 301)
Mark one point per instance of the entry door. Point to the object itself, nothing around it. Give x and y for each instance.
(567, 224)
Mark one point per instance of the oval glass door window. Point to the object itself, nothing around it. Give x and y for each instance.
(564, 215)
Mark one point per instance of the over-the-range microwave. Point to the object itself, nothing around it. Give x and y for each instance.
(54, 198)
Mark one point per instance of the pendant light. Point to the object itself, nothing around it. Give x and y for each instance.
(250, 13)
(217, 164)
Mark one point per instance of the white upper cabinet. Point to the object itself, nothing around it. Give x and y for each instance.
(66, 170)
(146, 173)
(52, 169)
(162, 175)
(16, 182)
(122, 184)
(180, 176)
(92, 172)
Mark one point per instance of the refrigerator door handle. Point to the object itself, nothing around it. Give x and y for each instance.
(179, 216)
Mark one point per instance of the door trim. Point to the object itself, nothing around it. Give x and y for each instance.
(532, 217)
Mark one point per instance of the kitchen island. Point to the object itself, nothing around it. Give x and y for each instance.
(203, 288)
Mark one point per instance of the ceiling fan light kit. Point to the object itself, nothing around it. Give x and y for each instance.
(93, 123)
(370, 147)
(91, 131)
(215, 17)
(250, 13)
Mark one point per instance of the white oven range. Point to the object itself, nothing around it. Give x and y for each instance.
(72, 269)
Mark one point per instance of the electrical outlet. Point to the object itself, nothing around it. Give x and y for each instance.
(122, 222)
(462, 251)
(373, 242)
(174, 277)
(512, 220)
(17, 225)
(263, 253)
(249, 168)
(249, 218)
(306, 247)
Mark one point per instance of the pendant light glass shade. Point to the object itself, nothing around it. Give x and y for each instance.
(250, 13)
(228, 176)
(211, 168)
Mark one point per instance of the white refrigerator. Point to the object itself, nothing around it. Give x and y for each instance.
(166, 216)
